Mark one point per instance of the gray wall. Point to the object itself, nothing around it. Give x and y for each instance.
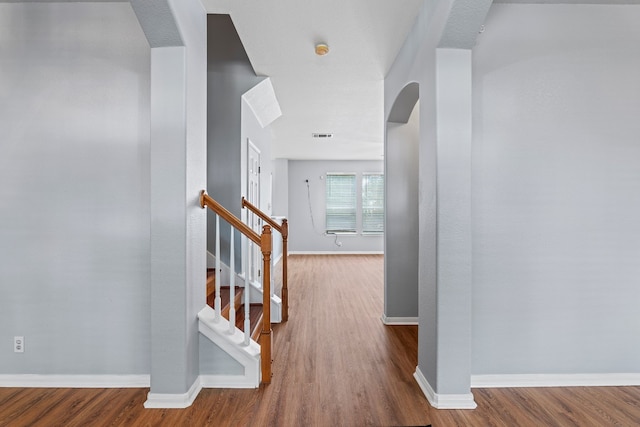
(74, 189)
(401, 218)
(556, 200)
(216, 361)
(229, 76)
(280, 190)
(303, 236)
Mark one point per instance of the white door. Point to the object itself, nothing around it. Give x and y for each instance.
(253, 197)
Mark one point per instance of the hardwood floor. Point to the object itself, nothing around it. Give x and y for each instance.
(335, 364)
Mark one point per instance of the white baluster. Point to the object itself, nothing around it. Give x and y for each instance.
(218, 301)
(232, 284)
(247, 296)
(273, 267)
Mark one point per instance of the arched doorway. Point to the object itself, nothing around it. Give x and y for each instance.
(401, 209)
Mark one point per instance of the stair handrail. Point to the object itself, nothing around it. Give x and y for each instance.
(283, 229)
(264, 241)
(207, 201)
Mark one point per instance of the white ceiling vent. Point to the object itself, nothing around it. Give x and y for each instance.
(322, 135)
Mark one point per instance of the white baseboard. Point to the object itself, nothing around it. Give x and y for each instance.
(75, 381)
(555, 380)
(397, 321)
(176, 401)
(211, 260)
(443, 401)
(336, 252)
(227, 381)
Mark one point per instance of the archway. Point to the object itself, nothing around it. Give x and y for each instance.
(401, 209)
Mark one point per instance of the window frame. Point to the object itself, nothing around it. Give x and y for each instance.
(332, 220)
(379, 200)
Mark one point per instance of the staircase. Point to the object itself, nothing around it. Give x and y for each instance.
(238, 352)
(255, 310)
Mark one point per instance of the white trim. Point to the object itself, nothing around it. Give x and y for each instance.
(555, 380)
(336, 252)
(443, 401)
(75, 381)
(276, 302)
(329, 233)
(278, 259)
(168, 400)
(233, 345)
(227, 381)
(211, 260)
(397, 321)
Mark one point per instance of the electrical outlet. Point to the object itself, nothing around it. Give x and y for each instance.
(18, 344)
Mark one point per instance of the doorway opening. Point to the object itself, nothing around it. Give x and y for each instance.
(401, 209)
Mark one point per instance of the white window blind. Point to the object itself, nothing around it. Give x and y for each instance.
(341, 203)
(372, 203)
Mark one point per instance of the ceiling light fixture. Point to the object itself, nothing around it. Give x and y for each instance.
(322, 49)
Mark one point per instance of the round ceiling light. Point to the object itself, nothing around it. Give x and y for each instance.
(322, 49)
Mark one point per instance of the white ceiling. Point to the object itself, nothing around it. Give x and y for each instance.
(340, 93)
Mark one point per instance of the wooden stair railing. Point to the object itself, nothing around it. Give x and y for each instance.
(264, 242)
(283, 229)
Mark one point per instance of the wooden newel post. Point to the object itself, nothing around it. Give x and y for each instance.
(285, 254)
(265, 334)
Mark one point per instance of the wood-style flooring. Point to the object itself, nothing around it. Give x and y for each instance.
(335, 364)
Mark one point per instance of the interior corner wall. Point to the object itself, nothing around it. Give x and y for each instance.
(74, 189)
(224, 147)
(401, 217)
(307, 207)
(556, 190)
(228, 78)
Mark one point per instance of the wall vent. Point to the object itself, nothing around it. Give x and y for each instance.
(322, 135)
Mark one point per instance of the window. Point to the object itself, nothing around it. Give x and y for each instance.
(341, 203)
(372, 203)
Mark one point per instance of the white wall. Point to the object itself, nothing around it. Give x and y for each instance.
(303, 235)
(556, 190)
(74, 189)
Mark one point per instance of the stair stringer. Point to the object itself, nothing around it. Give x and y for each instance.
(255, 297)
(233, 344)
